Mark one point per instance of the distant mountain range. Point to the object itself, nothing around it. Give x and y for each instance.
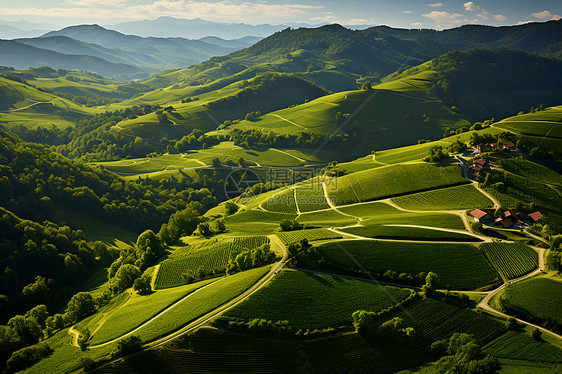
(23, 56)
(198, 28)
(136, 55)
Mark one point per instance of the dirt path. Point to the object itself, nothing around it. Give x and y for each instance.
(288, 154)
(333, 207)
(286, 120)
(75, 335)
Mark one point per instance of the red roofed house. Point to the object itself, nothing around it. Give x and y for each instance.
(479, 164)
(480, 215)
(535, 216)
(507, 219)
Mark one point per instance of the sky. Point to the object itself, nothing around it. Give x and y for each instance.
(395, 13)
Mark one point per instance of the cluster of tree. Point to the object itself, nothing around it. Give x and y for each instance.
(290, 225)
(250, 258)
(128, 268)
(252, 116)
(462, 354)
(195, 140)
(554, 256)
(206, 230)
(258, 139)
(266, 327)
(43, 264)
(33, 180)
(393, 330)
(268, 92)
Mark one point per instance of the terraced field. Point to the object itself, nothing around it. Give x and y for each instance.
(409, 233)
(353, 354)
(511, 260)
(211, 257)
(458, 197)
(203, 302)
(288, 237)
(214, 351)
(459, 266)
(377, 213)
(308, 300)
(393, 181)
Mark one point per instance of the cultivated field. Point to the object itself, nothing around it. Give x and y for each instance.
(458, 197)
(210, 257)
(308, 300)
(511, 260)
(459, 266)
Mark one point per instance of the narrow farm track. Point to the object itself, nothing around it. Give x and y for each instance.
(154, 317)
(289, 121)
(75, 335)
(288, 154)
(333, 207)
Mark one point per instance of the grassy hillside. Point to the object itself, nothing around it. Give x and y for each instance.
(379, 116)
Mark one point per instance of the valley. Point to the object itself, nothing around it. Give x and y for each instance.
(318, 200)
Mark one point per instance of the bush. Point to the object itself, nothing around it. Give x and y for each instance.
(128, 345)
(142, 285)
(27, 356)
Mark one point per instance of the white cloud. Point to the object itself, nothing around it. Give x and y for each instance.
(523, 23)
(416, 24)
(484, 14)
(475, 20)
(444, 19)
(545, 14)
(358, 21)
(435, 5)
(99, 3)
(470, 6)
(407, 12)
(217, 11)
